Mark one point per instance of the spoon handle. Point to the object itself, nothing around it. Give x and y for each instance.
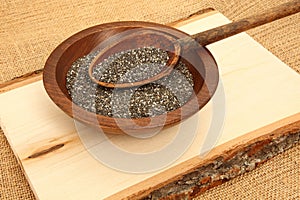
(225, 31)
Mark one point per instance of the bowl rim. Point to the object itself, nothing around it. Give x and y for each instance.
(108, 124)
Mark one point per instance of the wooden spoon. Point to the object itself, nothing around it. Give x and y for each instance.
(203, 38)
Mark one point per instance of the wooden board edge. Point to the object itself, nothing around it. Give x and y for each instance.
(21, 81)
(26, 177)
(19, 162)
(193, 177)
(193, 17)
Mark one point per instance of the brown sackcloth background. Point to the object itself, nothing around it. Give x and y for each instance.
(30, 30)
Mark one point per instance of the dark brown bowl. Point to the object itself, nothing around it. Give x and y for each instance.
(199, 61)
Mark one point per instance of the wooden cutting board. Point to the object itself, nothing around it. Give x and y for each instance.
(259, 90)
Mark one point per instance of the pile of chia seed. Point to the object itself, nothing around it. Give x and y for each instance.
(159, 97)
(131, 65)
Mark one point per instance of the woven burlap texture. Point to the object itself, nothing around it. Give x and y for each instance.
(30, 30)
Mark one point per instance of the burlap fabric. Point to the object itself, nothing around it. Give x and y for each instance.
(30, 30)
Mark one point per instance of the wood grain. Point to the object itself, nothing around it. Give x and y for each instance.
(259, 90)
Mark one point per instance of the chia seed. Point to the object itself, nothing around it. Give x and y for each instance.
(131, 65)
(156, 98)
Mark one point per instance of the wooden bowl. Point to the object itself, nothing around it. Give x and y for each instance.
(199, 61)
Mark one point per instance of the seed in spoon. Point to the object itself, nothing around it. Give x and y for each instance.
(131, 65)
